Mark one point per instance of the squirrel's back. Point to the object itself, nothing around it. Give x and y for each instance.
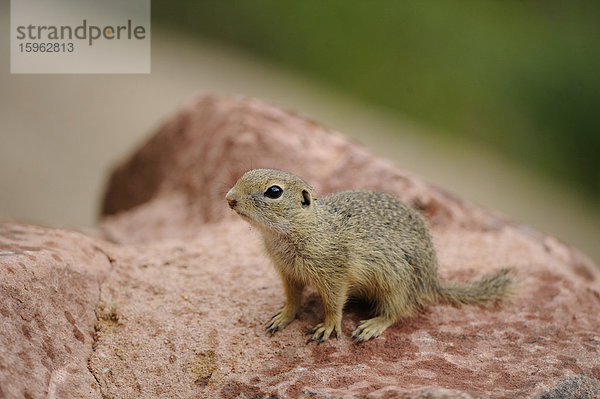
(371, 215)
(388, 243)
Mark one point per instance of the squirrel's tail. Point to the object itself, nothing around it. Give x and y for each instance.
(487, 288)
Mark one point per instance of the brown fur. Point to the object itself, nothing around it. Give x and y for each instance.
(356, 243)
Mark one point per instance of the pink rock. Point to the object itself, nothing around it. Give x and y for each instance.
(179, 289)
(49, 287)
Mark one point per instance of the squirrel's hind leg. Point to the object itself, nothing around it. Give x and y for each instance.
(388, 312)
(371, 328)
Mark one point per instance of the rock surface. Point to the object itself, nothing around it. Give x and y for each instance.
(178, 290)
(49, 288)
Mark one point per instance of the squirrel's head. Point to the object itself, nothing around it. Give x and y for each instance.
(272, 200)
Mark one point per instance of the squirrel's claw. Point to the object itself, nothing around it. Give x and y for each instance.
(272, 329)
(321, 332)
(371, 328)
(279, 321)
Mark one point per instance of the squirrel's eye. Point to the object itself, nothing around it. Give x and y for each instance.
(273, 192)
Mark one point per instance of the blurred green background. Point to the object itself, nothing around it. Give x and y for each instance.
(523, 77)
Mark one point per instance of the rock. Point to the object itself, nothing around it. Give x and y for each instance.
(197, 155)
(178, 289)
(576, 386)
(49, 286)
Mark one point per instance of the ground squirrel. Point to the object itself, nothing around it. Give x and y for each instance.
(362, 244)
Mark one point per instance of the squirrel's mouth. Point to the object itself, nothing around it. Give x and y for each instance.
(242, 214)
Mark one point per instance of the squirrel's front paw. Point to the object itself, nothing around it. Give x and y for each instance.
(280, 320)
(322, 331)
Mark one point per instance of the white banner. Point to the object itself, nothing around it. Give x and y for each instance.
(80, 36)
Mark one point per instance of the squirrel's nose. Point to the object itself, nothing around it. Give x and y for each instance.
(230, 197)
(232, 203)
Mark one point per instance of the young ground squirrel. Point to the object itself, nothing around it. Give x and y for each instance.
(362, 244)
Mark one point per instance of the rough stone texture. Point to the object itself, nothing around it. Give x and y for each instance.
(181, 289)
(49, 286)
(577, 386)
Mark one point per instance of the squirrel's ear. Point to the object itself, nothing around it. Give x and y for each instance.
(306, 198)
